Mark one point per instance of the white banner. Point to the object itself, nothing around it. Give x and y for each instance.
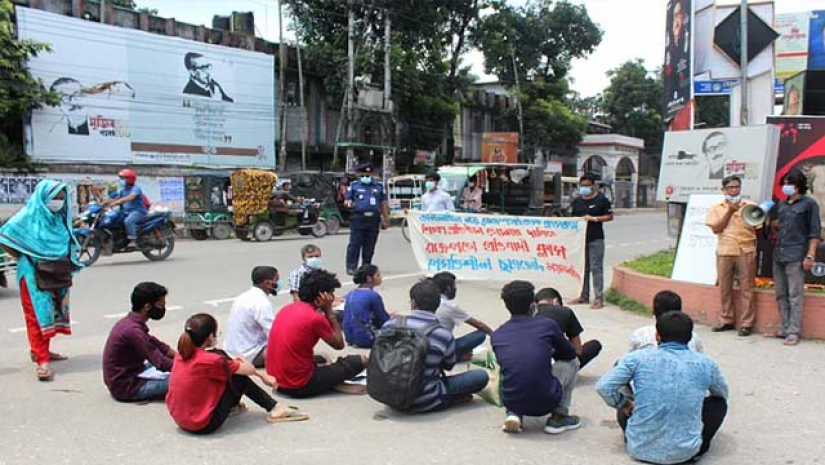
(134, 97)
(696, 256)
(544, 251)
(695, 162)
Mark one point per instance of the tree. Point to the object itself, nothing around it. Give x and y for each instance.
(537, 43)
(20, 92)
(631, 103)
(712, 111)
(428, 42)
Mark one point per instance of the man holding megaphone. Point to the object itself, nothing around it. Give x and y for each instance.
(735, 253)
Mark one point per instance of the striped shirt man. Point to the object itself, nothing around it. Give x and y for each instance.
(295, 278)
(441, 357)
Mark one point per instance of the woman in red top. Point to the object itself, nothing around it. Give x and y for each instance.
(206, 385)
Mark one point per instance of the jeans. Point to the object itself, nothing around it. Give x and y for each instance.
(789, 279)
(465, 344)
(594, 263)
(152, 389)
(590, 350)
(237, 387)
(567, 372)
(714, 410)
(131, 222)
(464, 384)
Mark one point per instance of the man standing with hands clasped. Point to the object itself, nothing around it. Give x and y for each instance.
(735, 253)
(593, 207)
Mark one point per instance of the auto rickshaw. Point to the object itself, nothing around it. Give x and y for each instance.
(207, 205)
(509, 188)
(404, 194)
(323, 187)
(259, 213)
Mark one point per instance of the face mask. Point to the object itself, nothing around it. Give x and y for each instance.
(274, 289)
(55, 205)
(788, 190)
(733, 198)
(121, 183)
(156, 313)
(366, 179)
(429, 185)
(314, 262)
(472, 185)
(585, 190)
(451, 293)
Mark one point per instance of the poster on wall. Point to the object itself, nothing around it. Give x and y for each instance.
(794, 102)
(816, 51)
(801, 147)
(678, 73)
(499, 147)
(792, 44)
(695, 162)
(129, 96)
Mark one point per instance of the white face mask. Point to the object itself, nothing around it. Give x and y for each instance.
(55, 205)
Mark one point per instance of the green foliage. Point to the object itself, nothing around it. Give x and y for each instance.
(20, 92)
(538, 42)
(632, 103)
(625, 303)
(713, 111)
(657, 264)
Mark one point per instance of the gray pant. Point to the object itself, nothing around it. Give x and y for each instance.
(789, 279)
(567, 372)
(594, 263)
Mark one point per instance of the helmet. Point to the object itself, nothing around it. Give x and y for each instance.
(129, 175)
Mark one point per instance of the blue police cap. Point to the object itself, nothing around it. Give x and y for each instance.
(364, 168)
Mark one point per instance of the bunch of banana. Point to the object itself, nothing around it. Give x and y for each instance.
(251, 189)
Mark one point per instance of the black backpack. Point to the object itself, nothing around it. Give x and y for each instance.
(395, 374)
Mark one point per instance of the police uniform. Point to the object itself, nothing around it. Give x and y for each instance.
(365, 221)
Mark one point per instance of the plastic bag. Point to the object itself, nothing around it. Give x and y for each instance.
(492, 392)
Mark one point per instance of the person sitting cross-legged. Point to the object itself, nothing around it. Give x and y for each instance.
(250, 318)
(551, 305)
(538, 364)
(451, 315)
(663, 302)
(670, 420)
(364, 311)
(298, 327)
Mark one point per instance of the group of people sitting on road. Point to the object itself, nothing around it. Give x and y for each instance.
(670, 399)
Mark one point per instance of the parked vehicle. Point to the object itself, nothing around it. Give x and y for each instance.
(324, 188)
(101, 231)
(404, 194)
(259, 213)
(8, 265)
(207, 205)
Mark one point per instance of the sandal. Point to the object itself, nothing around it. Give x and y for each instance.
(791, 340)
(292, 415)
(238, 409)
(779, 334)
(53, 357)
(44, 373)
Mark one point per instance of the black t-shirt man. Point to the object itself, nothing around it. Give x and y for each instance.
(563, 316)
(596, 206)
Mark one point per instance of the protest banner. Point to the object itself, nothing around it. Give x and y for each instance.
(544, 251)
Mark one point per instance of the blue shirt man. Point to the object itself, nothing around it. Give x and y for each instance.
(130, 197)
(369, 204)
(670, 420)
(364, 314)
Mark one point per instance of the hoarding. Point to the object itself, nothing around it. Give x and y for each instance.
(499, 147)
(134, 97)
(792, 44)
(695, 162)
(678, 73)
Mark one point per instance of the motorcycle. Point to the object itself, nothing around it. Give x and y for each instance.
(103, 231)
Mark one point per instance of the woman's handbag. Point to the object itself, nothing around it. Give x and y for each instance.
(51, 275)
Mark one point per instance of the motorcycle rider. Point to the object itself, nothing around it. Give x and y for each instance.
(130, 196)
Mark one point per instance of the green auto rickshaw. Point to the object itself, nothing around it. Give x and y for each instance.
(207, 203)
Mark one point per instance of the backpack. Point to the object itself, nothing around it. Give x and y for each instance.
(395, 372)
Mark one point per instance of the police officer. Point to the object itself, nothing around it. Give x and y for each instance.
(369, 204)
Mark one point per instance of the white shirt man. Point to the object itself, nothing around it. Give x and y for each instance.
(250, 320)
(436, 200)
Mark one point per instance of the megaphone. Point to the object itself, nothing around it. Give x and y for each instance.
(818, 269)
(755, 215)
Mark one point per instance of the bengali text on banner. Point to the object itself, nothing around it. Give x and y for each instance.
(544, 251)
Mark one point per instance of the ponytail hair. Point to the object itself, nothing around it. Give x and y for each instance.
(197, 330)
(363, 273)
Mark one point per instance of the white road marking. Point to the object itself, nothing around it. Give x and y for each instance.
(114, 316)
(217, 302)
(17, 330)
(174, 308)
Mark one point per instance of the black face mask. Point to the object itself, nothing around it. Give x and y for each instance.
(451, 293)
(156, 313)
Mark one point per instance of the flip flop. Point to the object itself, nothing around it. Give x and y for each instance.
(44, 373)
(238, 409)
(293, 415)
(53, 357)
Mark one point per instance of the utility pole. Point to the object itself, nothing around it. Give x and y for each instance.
(518, 103)
(102, 12)
(388, 89)
(303, 109)
(743, 39)
(350, 84)
(282, 61)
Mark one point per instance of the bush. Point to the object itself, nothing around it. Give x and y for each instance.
(658, 264)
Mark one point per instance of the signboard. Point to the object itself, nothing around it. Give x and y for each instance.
(694, 162)
(792, 44)
(696, 255)
(424, 157)
(816, 46)
(678, 72)
(499, 147)
(134, 97)
(544, 251)
(713, 87)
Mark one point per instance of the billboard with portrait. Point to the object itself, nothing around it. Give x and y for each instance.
(794, 102)
(499, 147)
(792, 44)
(695, 162)
(678, 73)
(134, 97)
